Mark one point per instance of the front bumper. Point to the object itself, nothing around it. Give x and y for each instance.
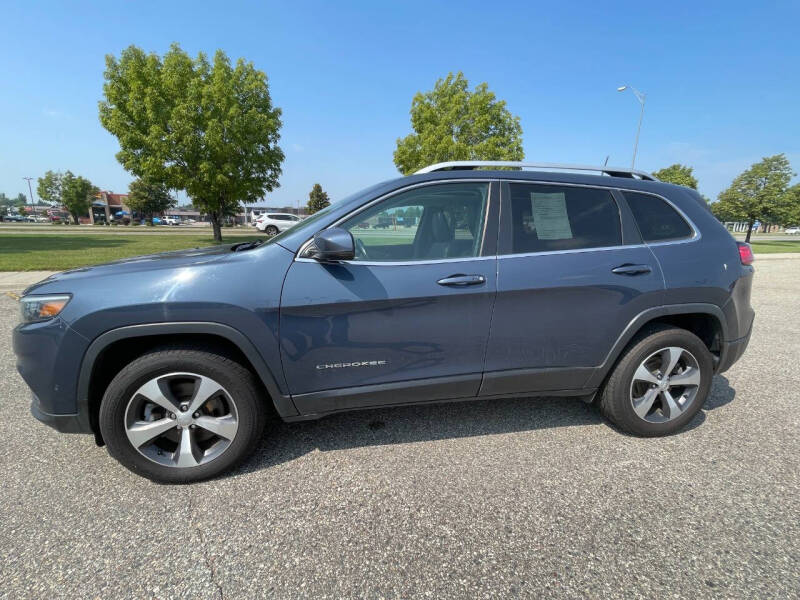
(63, 423)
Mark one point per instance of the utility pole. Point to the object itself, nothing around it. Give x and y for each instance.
(30, 194)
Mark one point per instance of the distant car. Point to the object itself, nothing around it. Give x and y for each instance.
(170, 221)
(15, 218)
(792, 230)
(274, 223)
(36, 219)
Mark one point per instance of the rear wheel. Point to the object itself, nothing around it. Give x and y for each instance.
(181, 415)
(271, 230)
(660, 383)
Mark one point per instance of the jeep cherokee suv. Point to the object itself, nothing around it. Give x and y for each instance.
(451, 284)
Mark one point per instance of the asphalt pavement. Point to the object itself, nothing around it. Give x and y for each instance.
(511, 498)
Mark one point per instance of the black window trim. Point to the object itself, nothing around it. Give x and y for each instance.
(489, 236)
(505, 223)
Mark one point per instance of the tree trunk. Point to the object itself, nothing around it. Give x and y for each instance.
(75, 218)
(749, 231)
(215, 226)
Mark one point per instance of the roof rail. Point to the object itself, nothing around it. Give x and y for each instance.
(474, 164)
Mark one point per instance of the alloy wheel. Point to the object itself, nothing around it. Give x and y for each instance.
(181, 420)
(665, 384)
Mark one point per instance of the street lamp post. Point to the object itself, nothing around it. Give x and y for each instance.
(641, 98)
(30, 194)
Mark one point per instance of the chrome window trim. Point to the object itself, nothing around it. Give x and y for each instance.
(695, 237)
(488, 180)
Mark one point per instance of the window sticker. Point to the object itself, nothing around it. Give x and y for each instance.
(549, 210)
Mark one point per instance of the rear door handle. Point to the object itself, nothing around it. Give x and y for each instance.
(632, 269)
(462, 280)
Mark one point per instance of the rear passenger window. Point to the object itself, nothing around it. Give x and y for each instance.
(552, 217)
(657, 220)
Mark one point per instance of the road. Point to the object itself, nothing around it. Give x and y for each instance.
(512, 498)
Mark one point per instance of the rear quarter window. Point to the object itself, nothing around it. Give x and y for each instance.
(657, 220)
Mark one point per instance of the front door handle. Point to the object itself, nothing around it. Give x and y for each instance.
(462, 280)
(628, 269)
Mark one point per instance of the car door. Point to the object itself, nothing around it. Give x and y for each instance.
(572, 273)
(407, 320)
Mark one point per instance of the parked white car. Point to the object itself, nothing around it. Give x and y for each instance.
(274, 223)
(792, 230)
(170, 221)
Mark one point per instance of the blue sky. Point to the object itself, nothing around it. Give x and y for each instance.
(722, 80)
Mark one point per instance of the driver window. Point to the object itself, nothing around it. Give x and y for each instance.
(426, 223)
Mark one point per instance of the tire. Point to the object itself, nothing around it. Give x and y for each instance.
(271, 230)
(638, 379)
(221, 430)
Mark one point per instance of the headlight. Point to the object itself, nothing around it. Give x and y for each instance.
(41, 308)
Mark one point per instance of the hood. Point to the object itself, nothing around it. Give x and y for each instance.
(148, 262)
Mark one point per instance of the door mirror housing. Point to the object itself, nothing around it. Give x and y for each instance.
(333, 244)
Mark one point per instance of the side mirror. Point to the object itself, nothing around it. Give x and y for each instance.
(334, 244)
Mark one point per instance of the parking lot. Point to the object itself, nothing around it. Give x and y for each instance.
(505, 498)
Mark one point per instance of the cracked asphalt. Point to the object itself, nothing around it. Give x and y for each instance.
(507, 498)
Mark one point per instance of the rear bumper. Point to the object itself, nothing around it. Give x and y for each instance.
(732, 351)
(62, 423)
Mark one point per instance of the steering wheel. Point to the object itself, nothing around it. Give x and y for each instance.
(361, 251)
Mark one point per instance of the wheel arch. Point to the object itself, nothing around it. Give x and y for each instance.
(119, 346)
(707, 321)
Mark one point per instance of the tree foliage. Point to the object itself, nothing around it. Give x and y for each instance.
(205, 127)
(678, 174)
(451, 122)
(76, 195)
(317, 199)
(149, 198)
(6, 203)
(48, 188)
(757, 194)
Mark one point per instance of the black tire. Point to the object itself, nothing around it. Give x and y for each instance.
(271, 230)
(241, 385)
(615, 400)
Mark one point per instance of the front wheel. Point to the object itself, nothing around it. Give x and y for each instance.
(271, 230)
(180, 415)
(660, 383)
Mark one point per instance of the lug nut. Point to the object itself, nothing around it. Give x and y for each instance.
(192, 426)
(185, 407)
(195, 415)
(172, 415)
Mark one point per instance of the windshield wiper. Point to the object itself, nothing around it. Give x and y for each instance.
(246, 245)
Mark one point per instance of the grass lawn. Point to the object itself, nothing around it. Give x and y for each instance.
(775, 246)
(34, 252)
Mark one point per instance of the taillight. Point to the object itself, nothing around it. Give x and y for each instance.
(745, 253)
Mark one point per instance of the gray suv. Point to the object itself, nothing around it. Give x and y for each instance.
(459, 282)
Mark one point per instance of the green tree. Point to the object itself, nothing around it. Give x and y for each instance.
(757, 194)
(788, 210)
(76, 195)
(149, 198)
(207, 128)
(678, 174)
(451, 122)
(6, 203)
(49, 187)
(317, 199)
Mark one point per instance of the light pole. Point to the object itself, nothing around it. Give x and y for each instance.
(30, 194)
(641, 98)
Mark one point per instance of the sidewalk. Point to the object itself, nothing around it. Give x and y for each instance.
(16, 281)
